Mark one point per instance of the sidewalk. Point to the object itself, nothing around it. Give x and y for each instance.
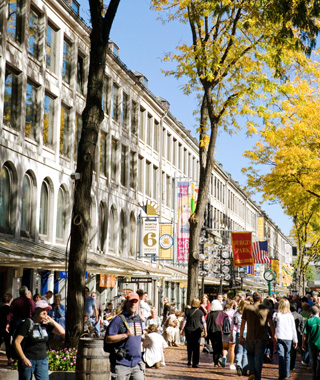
(176, 369)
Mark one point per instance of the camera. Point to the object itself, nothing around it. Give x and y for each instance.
(120, 353)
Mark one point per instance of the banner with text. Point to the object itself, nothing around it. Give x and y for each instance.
(187, 194)
(260, 228)
(242, 248)
(166, 241)
(150, 238)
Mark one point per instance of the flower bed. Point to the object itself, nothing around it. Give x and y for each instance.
(62, 360)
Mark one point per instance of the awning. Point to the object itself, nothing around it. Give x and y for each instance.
(24, 253)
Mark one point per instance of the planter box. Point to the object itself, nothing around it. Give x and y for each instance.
(62, 375)
(9, 374)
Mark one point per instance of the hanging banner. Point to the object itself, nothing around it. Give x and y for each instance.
(166, 242)
(150, 238)
(286, 275)
(187, 198)
(107, 281)
(260, 228)
(275, 266)
(242, 248)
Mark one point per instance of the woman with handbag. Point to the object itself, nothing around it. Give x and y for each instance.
(193, 324)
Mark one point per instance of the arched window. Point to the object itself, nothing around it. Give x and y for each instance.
(26, 205)
(61, 214)
(5, 196)
(133, 231)
(123, 232)
(113, 225)
(94, 229)
(44, 209)
(102, 226)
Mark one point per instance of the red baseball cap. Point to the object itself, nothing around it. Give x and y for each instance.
(133, 296)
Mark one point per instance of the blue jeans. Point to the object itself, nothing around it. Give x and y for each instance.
(241, 355)
(255, 352)
(39, 369)
(96, 325)
(284, 350)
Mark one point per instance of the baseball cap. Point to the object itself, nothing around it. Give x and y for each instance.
(42, 304)
(133, 296)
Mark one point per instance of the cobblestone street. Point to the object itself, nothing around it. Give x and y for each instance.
(177, 369)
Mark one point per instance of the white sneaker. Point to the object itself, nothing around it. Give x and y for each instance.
(232, 366)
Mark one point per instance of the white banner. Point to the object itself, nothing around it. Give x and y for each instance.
(150, 238)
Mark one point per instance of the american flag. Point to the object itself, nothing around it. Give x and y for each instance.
(260, 252)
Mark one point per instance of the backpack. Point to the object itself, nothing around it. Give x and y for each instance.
(14, 353)
(110, 347)
(226, 328)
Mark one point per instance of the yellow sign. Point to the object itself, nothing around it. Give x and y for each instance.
(166, 241)
(260, 228)
(183, 285)
(107, 281)
(275, 266)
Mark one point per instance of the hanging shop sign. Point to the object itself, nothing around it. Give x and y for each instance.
(107, 281)
(141, 280)
(166, 241)
(242, 248)
(150, 238)
(260, 228)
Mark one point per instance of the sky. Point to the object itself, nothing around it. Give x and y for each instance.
(142, 41)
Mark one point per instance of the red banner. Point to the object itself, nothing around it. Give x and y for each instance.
(242, 248)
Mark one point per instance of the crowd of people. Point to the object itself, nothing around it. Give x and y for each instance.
(242, 332)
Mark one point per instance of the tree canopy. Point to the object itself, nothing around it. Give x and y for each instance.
(238, 62)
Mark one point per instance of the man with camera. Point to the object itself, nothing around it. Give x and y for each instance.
(124, 334)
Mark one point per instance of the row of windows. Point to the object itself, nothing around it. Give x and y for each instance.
(34, 116)
(42, 34)
(28, 224)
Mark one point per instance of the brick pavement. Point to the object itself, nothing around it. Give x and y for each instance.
(176, 369)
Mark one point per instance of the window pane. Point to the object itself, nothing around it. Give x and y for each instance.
(33, 33)
(30, 126)
(13, 19)
(51, 49)
(141, 175)
(77, 134)
(64, 131)
(114, 148)
(66, 64)
(125, 110)
(103, 154)
(148, 184)
(133, 173)
(43, 221)
(5, 189)
(48, 121)
(60, 214)
(134, 118)
(149, 129)
(10, 103)
(123, 165)
(115, 103)
(80, 74)
(102, 226)
(156, 136)
(26, 205)
(141, 124)
(106, 95)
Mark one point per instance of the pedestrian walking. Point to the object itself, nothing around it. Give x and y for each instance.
(240, 350)
(299, 323)
(311, 340)
(193, 324)
(125, 330)
(214, 331)
(90, 307)
(34, 334)
(228, 341)
(286, 337)
(257, 317)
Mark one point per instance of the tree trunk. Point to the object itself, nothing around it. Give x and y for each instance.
(206, 158)
(92, 117)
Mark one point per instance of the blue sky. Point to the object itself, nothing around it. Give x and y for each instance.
(142, 41)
